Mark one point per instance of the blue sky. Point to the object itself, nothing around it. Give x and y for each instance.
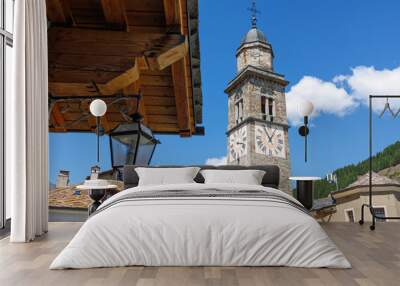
(319, 39)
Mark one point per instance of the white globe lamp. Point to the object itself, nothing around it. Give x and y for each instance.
(98, 108)
(306, 108)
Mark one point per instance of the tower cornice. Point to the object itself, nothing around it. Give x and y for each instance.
(254, 71)
(254, 44)
(253, 119)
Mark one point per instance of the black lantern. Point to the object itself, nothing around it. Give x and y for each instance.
(132, 144)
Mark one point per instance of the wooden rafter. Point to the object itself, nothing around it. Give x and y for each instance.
(171, 12)
(122, 81)
(87, 42)
(175, 11)
(172, 55)
(181, 100)
(183, 17)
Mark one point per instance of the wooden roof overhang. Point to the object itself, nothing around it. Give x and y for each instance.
(120, 50)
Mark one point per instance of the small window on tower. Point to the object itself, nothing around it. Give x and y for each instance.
(267, 108)
(239, 111)
(271, 108)
(263, 108)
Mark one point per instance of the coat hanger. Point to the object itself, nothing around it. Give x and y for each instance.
(387, 107)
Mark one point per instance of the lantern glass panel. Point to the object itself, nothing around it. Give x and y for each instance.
(123, 144)
(124, 148)
(145, 150)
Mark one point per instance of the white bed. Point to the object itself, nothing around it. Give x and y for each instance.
(266, 229)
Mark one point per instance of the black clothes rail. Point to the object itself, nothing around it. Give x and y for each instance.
(370, 205)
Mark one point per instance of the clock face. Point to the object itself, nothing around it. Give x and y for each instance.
(270, 140)
(237, 144)
(254, 55)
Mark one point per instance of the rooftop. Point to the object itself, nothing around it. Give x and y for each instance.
(376, 180)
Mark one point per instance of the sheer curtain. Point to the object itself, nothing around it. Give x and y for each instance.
(27, 124)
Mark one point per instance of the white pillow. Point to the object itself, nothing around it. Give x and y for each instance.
(166, 176)
(248, 177)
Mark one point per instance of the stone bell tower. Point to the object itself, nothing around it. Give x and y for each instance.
(257, 121)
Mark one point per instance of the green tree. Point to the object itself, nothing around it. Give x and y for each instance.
(390, 156)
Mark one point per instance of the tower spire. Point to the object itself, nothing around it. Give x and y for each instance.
(254, 12)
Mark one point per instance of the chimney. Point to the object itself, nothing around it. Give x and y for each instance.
(62, 179)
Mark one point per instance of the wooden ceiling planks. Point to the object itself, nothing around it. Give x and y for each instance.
(114, 13)
(58, 11)
(120, 48)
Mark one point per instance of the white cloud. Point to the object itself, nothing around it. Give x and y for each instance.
(326, 97)
(216, 161)
(344, 93)
(367, 80)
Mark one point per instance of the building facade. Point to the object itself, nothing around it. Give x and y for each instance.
(386, 199)
(257, 121)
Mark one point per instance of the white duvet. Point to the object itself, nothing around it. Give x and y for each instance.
(200, 231)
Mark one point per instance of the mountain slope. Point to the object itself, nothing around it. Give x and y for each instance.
(384, 162)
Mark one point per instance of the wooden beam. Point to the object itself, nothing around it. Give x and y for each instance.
(82, 36)
(114, 13)
(150, 85)
(172, 55)
(177, 15)
(189, 91)
(151, 63)
(122, 81)
(92, 42)
(171, 12)
(181, 99)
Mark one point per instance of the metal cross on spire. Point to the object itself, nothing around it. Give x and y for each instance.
(254, 12)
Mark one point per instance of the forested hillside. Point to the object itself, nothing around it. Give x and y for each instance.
(389, 157)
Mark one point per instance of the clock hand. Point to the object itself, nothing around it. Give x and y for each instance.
(266, 132)
(273, 133)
